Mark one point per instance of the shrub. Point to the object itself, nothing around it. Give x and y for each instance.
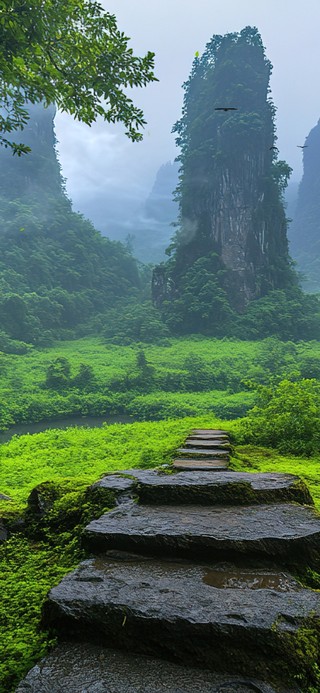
(287, 417)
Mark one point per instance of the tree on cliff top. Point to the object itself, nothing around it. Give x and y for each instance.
(69, 52)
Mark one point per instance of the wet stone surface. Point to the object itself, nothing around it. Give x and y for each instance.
(202, 465)
(88, 668)
(201, 443)
(165, 608)
(286, 531)
(197, 452)
(236, 578)
(210, 436)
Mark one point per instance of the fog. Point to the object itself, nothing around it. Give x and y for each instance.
(108, 177)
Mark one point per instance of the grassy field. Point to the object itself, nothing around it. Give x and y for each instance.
(85, 454)
(187, 377)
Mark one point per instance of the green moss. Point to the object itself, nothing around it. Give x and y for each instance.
(47, 547)
(307, 651)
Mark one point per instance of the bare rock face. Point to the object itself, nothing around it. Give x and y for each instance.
(3, 531)
(88, 668)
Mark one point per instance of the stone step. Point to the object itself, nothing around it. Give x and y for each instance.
(198, 465)
(287, 532)
(209, 431)
(211, 444)
(189, 612)
(210, 452)
(210, 436)
(90, 668)
(223, 487)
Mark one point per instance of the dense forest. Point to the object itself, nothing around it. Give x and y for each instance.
(56, 271)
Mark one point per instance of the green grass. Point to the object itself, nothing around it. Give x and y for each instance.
(88, 453)
(224, 367)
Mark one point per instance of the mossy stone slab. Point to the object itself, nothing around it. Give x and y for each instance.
(222, 487)
(200, 465)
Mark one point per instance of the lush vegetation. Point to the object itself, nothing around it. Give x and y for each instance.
(61, 280)
(72, 54)
(181, 377)
(43, 551)
(56, 271)
(229, 272)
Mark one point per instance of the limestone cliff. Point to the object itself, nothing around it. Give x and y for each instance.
(231, 184)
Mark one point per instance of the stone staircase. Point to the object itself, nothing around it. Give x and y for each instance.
(191, 589)
(204, 449)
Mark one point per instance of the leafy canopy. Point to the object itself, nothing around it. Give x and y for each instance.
(69, 52)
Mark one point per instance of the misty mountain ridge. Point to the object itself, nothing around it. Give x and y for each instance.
(56, 271)
(144, 225)
(305, 227)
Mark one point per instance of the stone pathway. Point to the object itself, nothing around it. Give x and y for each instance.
(204, 450)
(189, 590)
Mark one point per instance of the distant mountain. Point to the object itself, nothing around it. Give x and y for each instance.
(144, 224)
(304, 231)
(56, 270)
(160, 204)
(155, 219)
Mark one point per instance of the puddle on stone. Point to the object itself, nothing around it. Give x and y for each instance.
(253, 580)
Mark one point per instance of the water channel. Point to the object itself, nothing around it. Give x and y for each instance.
(65, 422)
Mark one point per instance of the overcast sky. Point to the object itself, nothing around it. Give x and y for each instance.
(100, 160)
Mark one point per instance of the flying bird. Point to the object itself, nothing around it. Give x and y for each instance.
(226, 108)
(302, 146)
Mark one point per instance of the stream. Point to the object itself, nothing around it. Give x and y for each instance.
(65, 422)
